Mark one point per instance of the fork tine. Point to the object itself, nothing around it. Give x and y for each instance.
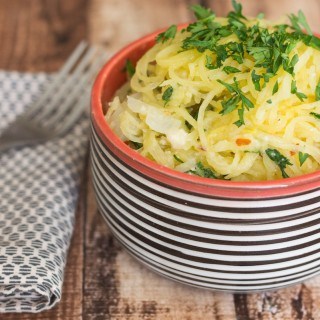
(64, 108)
(49, 90)
(63, 91)
(83, 100)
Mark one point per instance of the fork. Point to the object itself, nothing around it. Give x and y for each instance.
(62, 103)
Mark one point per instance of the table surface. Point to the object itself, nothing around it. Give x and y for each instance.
(101, 280)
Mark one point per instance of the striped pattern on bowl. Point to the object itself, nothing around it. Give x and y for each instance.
(221, 235)
(238, 245)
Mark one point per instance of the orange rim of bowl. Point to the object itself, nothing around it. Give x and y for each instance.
(170, 177)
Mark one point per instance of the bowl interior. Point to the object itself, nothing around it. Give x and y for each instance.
(112, 77)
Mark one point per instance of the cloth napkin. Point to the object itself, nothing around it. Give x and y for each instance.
(38, 197)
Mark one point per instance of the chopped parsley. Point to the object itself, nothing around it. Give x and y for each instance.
(129, 68)
(294, 90)
(303, 157)
(256, 80)
(209, 64)
(237, 97)
(177, 158)
(201, 171)
(299, 22)
(170, 33)
(316, 115)
(275, 88)
(280, 160)
(167, 94)
(135, 145)
(269, 49)
(317, 93)
(229, 69)
(202, 13)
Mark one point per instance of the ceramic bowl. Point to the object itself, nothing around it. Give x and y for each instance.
(222, 235)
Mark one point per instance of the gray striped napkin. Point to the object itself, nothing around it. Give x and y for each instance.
(38, 192)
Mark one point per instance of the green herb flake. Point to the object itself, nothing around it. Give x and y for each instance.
(294, 90)
(318, 91)
(303, 157)
(232, 103)
(170, 33)
(301, 96)
(231, 88)
(300, 22)
(237, 9)
(209, 64)
(202, 13)
(240, 122)
(229, 69)
(294, 60)
(129, 68)
(177, 158)
(269, 101)
(275, 88)
(135, 145)
(201, 171)
(316, 115)
(281, 161)
(167, 94)
(256, 80)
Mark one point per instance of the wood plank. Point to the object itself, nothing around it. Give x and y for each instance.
(114, 23)
(38, 35)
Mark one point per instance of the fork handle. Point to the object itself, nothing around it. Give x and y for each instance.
(11, 137)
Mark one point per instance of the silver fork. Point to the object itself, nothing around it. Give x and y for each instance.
(62, 103)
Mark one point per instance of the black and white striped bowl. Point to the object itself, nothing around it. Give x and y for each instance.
(221, 235)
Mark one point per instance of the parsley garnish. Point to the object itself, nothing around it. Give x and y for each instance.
(256, 80)
(209, 64)
(177, 158)
(316, 115)
(270, 49)
(232, 103)
(201, 12)
(229, 69)
(275, 88)
(318, 91)
(281, 161)
(170, 33)
(167, 94)
(129, 68)
(237, 10)
(201, 171)
(303, 157)
(294, 90)
(300, 22)
(135, 145)
(269, 101)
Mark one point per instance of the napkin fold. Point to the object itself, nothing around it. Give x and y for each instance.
(38, 196)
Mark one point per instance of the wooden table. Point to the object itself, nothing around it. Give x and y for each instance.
(101, 280)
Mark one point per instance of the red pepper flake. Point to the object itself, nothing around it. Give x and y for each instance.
(292, 153)
(242, 142)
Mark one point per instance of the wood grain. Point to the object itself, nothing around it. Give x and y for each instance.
(102, 281)
(38, 35)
